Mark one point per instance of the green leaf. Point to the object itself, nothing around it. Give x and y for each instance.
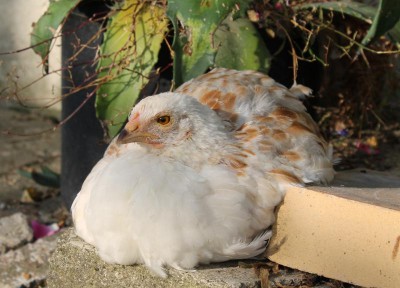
(382, 19)
(394, 34)
(128, 53)
(355, 9)
(47, 178)
(241, 46)
(194, 45)
(44, 30)
(387, 16)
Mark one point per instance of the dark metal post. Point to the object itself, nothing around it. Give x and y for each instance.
(82, 135)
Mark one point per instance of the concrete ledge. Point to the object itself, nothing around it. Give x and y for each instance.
(75, 264)
(347, 232)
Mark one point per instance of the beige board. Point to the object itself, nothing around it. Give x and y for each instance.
(349, 231)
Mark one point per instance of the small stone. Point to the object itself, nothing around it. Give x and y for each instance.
(292, 278)
(26, 197)
(14, 232)
(27, 266)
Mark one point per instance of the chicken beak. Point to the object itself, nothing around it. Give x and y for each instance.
(125, 137)
(132, 132)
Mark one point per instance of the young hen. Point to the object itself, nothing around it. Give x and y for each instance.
(195, 175)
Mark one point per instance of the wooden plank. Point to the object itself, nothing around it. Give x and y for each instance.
(345, 232)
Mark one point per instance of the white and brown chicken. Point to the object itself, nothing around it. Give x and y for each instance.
(195, 175)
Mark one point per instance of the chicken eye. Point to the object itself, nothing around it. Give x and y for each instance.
(163, 120)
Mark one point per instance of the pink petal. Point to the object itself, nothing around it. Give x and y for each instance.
(41, 230)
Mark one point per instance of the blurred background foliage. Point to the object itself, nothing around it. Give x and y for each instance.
(346, 51)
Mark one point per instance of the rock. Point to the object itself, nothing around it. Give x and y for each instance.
(292, 278)
(27, 266)
(75, 264)
(14, 232)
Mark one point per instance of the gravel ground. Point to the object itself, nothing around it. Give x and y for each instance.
(24, 146)
(24, 259)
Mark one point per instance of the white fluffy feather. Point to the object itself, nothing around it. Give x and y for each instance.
(171, 215)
